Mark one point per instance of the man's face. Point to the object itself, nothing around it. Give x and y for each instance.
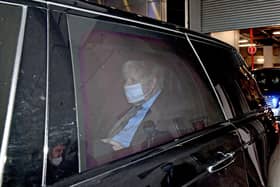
(133, 89)
(140, 82)
(57, 151)
(139, 90)
(56, 154)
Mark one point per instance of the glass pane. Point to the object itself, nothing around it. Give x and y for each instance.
(135, 90)
(230, 76)
(154, 9)
(25, 149)
(134, 6)
(10, 19)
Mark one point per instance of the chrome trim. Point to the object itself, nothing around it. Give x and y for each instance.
(9, 3)
(204, 69)
(40, 1)
(76, 97)
(219, 165)
(11, 102)
(101, 14)
(209, 39)
(46, 146)
(107, 15)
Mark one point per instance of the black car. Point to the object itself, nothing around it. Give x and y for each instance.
(93, 96)
(268, 80)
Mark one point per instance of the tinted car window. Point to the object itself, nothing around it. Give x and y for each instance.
(230, 76)
(25, 149)
(62, 158)
(10, 19)
(135, 90)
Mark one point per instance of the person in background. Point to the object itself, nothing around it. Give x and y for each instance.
(55, 155)
(62, 161)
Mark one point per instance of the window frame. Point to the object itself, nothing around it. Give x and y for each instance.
(219, 99)
(117, 20)
(236, 59)
(111, 167)
(184, 37)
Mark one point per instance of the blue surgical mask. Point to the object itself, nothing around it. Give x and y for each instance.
(134, 93)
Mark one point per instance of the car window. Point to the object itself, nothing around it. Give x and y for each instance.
(10, 19)
(136, 89)
(229, 76)
(25, 149)
(268, 80)
(249, 86)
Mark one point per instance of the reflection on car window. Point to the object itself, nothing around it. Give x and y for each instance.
(227, 70)
(275, 80)
(10, 19)
(250, 89)
(25, 149)
(268, 80)
(135, 90)
(62, 158)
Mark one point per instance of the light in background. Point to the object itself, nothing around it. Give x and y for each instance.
(246, 45)
(276, 32)
(243, 41)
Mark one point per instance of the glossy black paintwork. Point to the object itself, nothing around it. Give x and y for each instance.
(167, 165)
(145, 164)
(250, 115)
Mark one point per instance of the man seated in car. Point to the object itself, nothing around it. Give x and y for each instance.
(148, 122)
(143, 88)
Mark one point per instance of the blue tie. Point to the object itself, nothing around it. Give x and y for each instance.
(125, 136)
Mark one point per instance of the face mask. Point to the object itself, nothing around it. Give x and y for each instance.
(134, 93)
(56, 161)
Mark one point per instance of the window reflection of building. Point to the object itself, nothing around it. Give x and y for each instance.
(251, 92)
(151, 8)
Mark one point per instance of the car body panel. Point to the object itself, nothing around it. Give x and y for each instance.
(232, 151)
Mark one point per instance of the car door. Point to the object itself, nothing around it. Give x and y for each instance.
(205, 161)
(243, 102)
(192, 142)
